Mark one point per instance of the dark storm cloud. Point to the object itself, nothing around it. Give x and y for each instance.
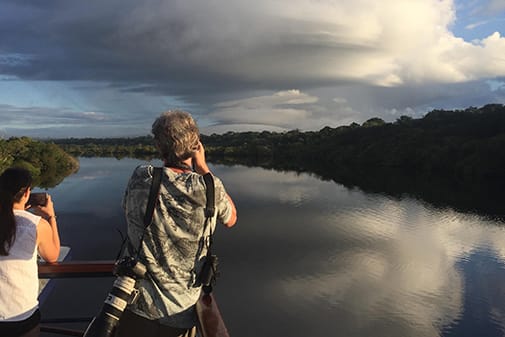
(116, 42)
(200, 47)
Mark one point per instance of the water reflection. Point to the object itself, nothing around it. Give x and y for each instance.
(351, 264)
(313, 258)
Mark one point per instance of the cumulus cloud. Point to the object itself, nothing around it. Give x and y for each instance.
(388, 44)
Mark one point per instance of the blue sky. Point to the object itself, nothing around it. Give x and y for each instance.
(107, 69)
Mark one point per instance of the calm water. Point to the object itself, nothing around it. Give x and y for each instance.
(310, 257)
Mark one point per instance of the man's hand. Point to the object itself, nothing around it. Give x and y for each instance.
(199, 162)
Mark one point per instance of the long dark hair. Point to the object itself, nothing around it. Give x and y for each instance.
(13, 184)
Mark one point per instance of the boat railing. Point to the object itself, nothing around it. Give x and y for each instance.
(210, 321)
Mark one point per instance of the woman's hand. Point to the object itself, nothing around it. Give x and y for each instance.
(46, 211)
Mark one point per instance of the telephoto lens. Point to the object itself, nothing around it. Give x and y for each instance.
(127, 270)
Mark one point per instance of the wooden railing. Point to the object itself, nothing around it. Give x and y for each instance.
(211, 323)
(76, 269)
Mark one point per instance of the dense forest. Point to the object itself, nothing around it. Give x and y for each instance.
(454, 158)
(467, 144)
(442, 156)
(138, 147)
(462, 144)
(46, 161)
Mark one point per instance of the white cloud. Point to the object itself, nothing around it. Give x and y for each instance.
(94, 115)
(384, 43)
(281, 111)
(476, 24)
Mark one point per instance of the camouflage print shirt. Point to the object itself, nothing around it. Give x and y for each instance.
(172, 248)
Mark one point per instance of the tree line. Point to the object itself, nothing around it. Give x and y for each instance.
(137, 147)
(462, 144)
(451, 158)
(456, 144)
(445, 154)
(447, 158)
(48, 163)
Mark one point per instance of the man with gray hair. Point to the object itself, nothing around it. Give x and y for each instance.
(172, 247)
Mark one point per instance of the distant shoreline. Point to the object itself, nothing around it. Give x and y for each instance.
(446, 157)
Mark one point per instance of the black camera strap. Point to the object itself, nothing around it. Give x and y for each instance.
(208, 273)
(151, 203)
(153, 196)
(210, 207)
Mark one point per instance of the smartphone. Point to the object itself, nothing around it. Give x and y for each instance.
(37, 199)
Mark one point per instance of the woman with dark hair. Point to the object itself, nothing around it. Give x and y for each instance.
(172, 246)
(23, 234)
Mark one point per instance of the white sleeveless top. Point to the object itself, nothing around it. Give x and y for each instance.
(19, 286)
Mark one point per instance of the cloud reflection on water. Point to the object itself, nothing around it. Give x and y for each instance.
(394, 268)
(313, 258)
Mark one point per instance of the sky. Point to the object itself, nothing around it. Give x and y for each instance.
(109, 68)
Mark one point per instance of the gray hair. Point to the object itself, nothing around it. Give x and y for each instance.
(176, 136)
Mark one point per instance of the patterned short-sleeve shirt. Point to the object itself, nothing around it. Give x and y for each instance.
(173, 246)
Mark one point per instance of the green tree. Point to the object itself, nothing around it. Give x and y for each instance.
(47, 162)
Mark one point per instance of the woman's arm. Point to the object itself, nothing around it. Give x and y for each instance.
(48, 238)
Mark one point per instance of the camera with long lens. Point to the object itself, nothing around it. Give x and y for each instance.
(208, 274)
(123, 291)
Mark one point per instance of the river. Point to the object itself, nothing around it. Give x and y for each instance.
(309, 257)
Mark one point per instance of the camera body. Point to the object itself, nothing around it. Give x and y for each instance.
(123, 292)
(130, 267)
(37, 199)
(208, 274)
